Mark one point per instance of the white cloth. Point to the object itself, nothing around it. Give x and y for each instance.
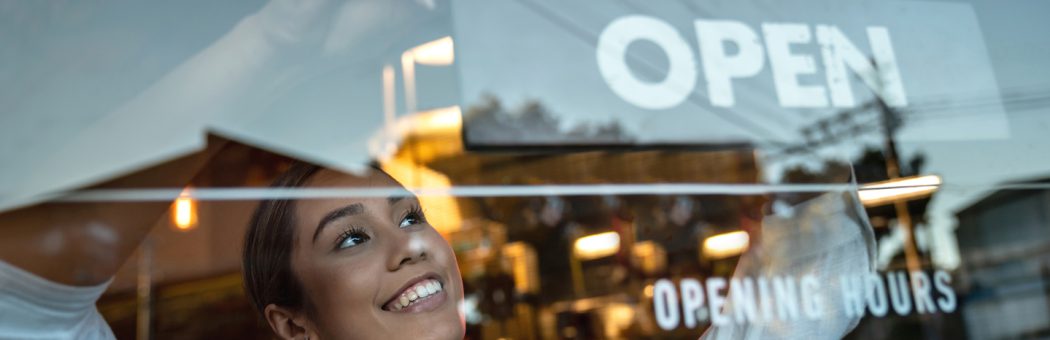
(826, 237)
(32, 307)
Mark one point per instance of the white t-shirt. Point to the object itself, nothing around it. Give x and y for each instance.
(32, 307)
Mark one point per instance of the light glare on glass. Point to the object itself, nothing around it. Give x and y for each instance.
(884, 192)
(597, 245)
(439, 52)
(726, 245)
(446, 119)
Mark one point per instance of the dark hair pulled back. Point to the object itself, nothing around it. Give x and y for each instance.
(267, 257)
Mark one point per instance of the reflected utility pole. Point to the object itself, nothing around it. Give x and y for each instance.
(891, 122)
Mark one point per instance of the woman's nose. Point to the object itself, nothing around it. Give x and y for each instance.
(406, 248)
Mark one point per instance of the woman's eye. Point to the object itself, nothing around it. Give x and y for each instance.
(411, 219)
(353, 238)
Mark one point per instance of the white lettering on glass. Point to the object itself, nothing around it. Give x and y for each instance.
(692, 300)
(722, 65)
(665, 304)
(719, 67)
(612, 53)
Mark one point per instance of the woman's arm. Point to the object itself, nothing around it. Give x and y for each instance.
(85, 243)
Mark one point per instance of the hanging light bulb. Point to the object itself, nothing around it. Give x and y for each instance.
(184, 212)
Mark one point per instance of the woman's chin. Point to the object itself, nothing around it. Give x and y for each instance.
(429, 326)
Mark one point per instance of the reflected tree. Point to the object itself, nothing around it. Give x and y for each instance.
(489, 122)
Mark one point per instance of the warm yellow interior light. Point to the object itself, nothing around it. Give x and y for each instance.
(435, 53)
(439, 122)
(443, 210)
(726, 245)
(649, 256)
(597, 245)
(524, 266)
(884, 192)
(431, 134)
(617, 317)
(442, 120)
(184, 214)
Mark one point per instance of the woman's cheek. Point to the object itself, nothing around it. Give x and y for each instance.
(350, 288)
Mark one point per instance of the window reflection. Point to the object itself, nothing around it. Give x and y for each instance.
(679, 169)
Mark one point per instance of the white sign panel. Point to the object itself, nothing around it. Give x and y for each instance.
(717, 72)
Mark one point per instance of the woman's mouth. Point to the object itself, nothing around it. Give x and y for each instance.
(423, 295)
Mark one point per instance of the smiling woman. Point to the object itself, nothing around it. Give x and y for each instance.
(345, 268)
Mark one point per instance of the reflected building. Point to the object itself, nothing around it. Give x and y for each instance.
(1004, 239)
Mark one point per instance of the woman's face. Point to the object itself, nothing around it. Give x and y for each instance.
(374, 268)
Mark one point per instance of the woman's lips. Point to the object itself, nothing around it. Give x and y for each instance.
(419, 295)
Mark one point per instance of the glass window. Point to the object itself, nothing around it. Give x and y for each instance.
(524, 170)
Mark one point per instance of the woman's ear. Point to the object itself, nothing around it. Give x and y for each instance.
(288, 324)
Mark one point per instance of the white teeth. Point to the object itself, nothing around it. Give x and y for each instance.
(416, 293)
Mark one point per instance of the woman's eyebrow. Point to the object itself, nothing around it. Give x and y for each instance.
(352, 209)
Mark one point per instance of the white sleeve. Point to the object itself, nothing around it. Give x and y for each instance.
(32, 307)
(826, 238)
